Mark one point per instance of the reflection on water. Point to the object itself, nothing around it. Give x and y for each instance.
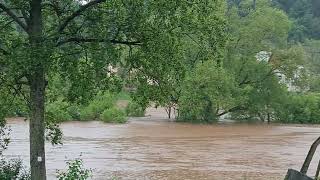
(144, 149)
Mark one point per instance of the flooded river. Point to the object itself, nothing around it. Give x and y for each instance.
(149, 148)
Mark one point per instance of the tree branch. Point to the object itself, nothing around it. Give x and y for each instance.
(14, 17)
(4, 52)
(25, 15)
(77, 13)
(54, 6)
(92, 40)
(237, 108)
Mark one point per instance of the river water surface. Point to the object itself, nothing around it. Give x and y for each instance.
(150, 148)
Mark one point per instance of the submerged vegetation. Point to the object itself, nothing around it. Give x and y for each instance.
(102, 107)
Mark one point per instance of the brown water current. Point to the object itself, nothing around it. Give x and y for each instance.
(151, 148)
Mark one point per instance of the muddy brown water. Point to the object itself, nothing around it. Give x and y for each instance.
(151, 148)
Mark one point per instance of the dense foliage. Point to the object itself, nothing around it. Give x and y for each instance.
(300, 108)
(13, 169)
(257, 71)
(205, 91)
(113, 115)
(100, 103)
(75, 170)
(305, 16)
(135, 110)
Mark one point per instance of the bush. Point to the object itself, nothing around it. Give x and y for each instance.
(101, 102)
(303, 108)
(75, 170)
(58, 111)
(74, 112)
(4, 137)
(135, 110)
(113, 115)
(13, 169)
(12, 105)
(87, 114)
(123, 96)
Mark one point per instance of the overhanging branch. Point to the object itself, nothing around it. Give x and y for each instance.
(25, 15)
(14, 17)
(4, 51)
(237, 108)
(93, 40)
(77, 13)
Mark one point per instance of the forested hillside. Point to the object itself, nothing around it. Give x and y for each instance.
(305, 16)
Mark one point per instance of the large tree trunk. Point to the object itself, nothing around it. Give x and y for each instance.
(269, 118)
(37, 92)
(169, 111)
(254, 4)
(37, 126)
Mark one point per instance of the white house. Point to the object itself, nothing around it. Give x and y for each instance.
(264, 56)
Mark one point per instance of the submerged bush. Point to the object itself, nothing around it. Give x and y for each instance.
(113, 115)
(103, 103)
(100, 103)
(75, 170)
(58, 111)
(135, 110)
(74, 112)
(13, 170)
(87, 114)
(300, 108)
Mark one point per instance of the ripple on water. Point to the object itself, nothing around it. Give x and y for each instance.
(166, 150)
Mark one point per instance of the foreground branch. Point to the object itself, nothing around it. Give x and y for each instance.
(4, 52)
(77, 13)
(14, 17)
(93, 40)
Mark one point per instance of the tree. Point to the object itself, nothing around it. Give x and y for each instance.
(303, 13)
(162, 84)
(305, 16)
(41, 37)
(312, 48)
(257, 54)
(209, 91)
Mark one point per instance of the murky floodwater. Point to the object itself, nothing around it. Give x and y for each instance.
(157, 149)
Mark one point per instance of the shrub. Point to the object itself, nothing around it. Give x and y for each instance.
(123, 96)
(4, 137)
(301, 108)
(135, 110)
(113, 115)
(101, 102)
(58, 111)
(75, 170)
(87, 114)
(13, 169)
(12, 106)
(74, 112)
